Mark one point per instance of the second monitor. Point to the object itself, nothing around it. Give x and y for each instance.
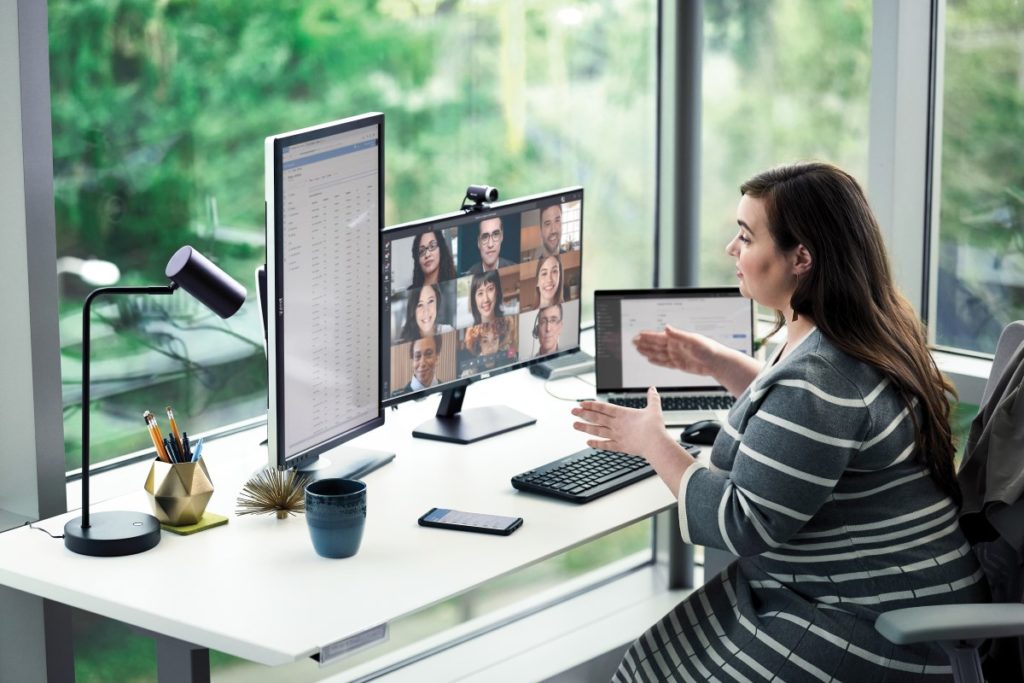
(469, 295)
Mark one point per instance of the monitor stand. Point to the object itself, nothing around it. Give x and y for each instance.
(345, 462)
(454, 425)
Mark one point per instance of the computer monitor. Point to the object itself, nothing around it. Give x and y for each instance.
(324, 213)
(468, 295)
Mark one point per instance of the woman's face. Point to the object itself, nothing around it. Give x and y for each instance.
(486, 298)
(548, 278)
(429, 255)
(765, 272)
(426, 311)
(488, 340)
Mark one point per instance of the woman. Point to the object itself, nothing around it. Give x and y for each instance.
(549, 281)
(833, 479)
(432, 259)
(421, 314)
(485, 297)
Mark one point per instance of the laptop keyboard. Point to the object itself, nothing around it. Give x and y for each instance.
(709, 402)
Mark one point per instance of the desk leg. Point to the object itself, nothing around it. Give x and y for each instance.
(35, 639)
(670, 550)
(181, 662)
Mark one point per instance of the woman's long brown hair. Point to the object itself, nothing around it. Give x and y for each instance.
(850, 295)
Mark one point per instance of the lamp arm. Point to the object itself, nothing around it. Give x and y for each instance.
(86, 311)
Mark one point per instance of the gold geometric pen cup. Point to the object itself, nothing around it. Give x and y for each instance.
(179, 492)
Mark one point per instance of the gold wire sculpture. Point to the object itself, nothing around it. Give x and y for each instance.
(273, 491)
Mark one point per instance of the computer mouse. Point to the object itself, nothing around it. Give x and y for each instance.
(702, 432)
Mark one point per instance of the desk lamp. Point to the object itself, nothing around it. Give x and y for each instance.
(110, 534)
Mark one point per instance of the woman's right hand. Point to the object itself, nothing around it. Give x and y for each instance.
(686, 351)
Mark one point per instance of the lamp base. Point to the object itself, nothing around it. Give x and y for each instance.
(112, 534)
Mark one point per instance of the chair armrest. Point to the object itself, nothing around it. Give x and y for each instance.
(979, 621)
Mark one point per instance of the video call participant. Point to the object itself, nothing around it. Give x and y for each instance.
(487, 345)
(432, 259)
(488, 241)
(547, 328)
(485, 297)
(485, 339)
(834, 480)
(550, 232)
(421, 314)
(549, 281)
(424, 353)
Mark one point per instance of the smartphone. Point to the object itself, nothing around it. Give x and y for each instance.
(471, 521)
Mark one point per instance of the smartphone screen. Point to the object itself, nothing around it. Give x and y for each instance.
(471, 521)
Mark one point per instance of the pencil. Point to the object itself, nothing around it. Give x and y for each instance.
(174, 429)
(154, 433)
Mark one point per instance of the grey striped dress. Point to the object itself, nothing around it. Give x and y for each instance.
(814, 484)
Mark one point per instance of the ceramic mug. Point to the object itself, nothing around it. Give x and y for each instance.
(336, 516)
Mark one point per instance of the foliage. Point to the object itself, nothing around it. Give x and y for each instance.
(981, 256)
(160, 110)
(784, 80)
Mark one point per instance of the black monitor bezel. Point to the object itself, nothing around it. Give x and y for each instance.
(277, 402)
(411, 226)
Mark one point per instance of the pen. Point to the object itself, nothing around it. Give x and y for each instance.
(174, 428)
(198, 452)
(186, 449)
(154, 434)
(171, 449)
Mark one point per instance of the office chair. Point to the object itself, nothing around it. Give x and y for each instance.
(961, 629)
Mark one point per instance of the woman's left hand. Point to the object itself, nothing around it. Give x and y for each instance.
(637, 432)
(621, 429)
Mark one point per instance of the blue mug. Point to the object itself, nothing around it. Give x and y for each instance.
(336, 516)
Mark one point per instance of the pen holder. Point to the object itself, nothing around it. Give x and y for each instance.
(179, 492)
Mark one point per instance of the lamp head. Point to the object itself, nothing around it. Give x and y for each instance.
(201, 278)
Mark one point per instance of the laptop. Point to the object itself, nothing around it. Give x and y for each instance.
(623, 375)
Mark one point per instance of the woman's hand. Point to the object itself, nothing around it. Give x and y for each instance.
(672, 348)
(639, 431)
(698, 355)
(635, 431)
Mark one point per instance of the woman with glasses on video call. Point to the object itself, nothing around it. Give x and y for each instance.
(432, 259)
(833, 479)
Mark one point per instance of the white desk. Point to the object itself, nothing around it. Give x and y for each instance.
(256, 589)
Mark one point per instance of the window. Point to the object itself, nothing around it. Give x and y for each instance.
(783, 81)
(159, 116)
(979, 286)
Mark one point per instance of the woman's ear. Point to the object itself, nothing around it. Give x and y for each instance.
(802, 260)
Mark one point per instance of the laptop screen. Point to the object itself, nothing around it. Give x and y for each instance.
(720, 313)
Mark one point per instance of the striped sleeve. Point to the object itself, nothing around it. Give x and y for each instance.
(792, 451)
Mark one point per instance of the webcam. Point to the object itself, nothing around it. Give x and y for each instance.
(480, 197)
(481, 193)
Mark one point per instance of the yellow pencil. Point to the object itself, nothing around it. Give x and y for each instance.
(174, 430)
(154, 433)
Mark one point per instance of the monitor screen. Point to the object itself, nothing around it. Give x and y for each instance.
(471, 294)
(324, 193)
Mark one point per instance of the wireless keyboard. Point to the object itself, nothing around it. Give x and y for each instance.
(696, 402)
(584, 476)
